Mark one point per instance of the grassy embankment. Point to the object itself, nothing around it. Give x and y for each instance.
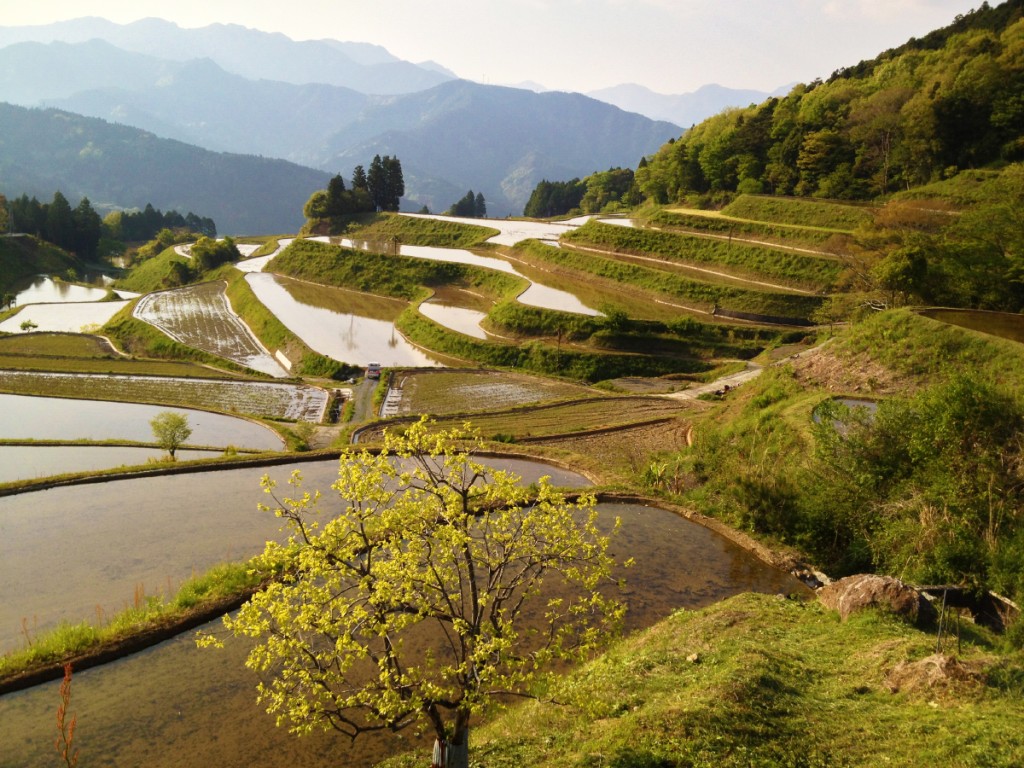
(385, 227)
(679, 251)
(148, 613)
(596, 357)
(761, 681)
(685, 293)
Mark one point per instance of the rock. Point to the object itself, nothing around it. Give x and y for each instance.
(855, 593)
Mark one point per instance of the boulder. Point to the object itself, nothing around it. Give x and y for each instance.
(855, 593)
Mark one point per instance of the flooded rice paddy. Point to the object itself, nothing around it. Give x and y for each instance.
(72, 553)
(28, 462)
(348, 326)
(176, 705)
(52, 418)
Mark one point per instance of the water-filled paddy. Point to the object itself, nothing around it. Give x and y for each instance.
(66, 553)
(22, 462)
(344, 325)
(52, 418)
(176, 705)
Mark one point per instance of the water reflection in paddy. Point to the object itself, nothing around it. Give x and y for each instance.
(175, 705)
(45, 290)
(536, 295)
(457, 318)
(66, 553)
(345, 325)
(52, 418)
(21, 462)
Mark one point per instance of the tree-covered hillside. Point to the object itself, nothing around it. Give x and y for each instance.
(949, 101)
(120, 167)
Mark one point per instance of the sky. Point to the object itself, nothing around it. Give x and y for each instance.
(668, 46)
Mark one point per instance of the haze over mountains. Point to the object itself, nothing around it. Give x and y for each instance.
(325, 105)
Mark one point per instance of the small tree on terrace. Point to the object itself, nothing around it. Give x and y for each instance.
(421, 600)
(170, 430)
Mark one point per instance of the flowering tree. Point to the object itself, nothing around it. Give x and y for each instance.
(417, 598)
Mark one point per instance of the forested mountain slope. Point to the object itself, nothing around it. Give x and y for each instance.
(948, 101)
(113, 165)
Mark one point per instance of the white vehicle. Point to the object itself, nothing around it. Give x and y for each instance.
(373, 371)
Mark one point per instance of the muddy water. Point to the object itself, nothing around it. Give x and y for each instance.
(79, 552)
(175, 705)
(344, 325)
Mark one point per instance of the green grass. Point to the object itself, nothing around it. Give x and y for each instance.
(400, 277)
(715, 223)
(151, 274)
(421, 231)
(764, 682)
(663, 285)
(753, 262)
(804, 212)
(76, 353)
(928, 350)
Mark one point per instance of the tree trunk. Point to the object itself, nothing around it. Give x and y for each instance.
(452, 754)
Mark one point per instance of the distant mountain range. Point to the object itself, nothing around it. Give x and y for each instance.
(684, 109)
(323, 104)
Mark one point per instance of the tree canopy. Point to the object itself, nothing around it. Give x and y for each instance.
(170, 430)
(417, 594)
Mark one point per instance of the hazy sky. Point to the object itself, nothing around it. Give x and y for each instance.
(670, 46)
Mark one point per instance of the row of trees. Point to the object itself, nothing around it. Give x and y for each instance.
(909, 117)
(604, 191)
(75, 229)
(470, 205)
(80, 229)
(380, 189)
(140, 226)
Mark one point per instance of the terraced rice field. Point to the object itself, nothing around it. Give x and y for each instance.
(557, 419)
(201, 317)
(454, 391)
(265, 399)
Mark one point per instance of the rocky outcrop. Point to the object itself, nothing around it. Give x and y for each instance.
(855, 593)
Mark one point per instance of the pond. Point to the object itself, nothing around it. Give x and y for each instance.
(23, 417)
(176, 705)
(74, 552)
(347, 326)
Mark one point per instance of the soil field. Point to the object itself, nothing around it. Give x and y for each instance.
(557, 419)
(445, 392)
(624, 452)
